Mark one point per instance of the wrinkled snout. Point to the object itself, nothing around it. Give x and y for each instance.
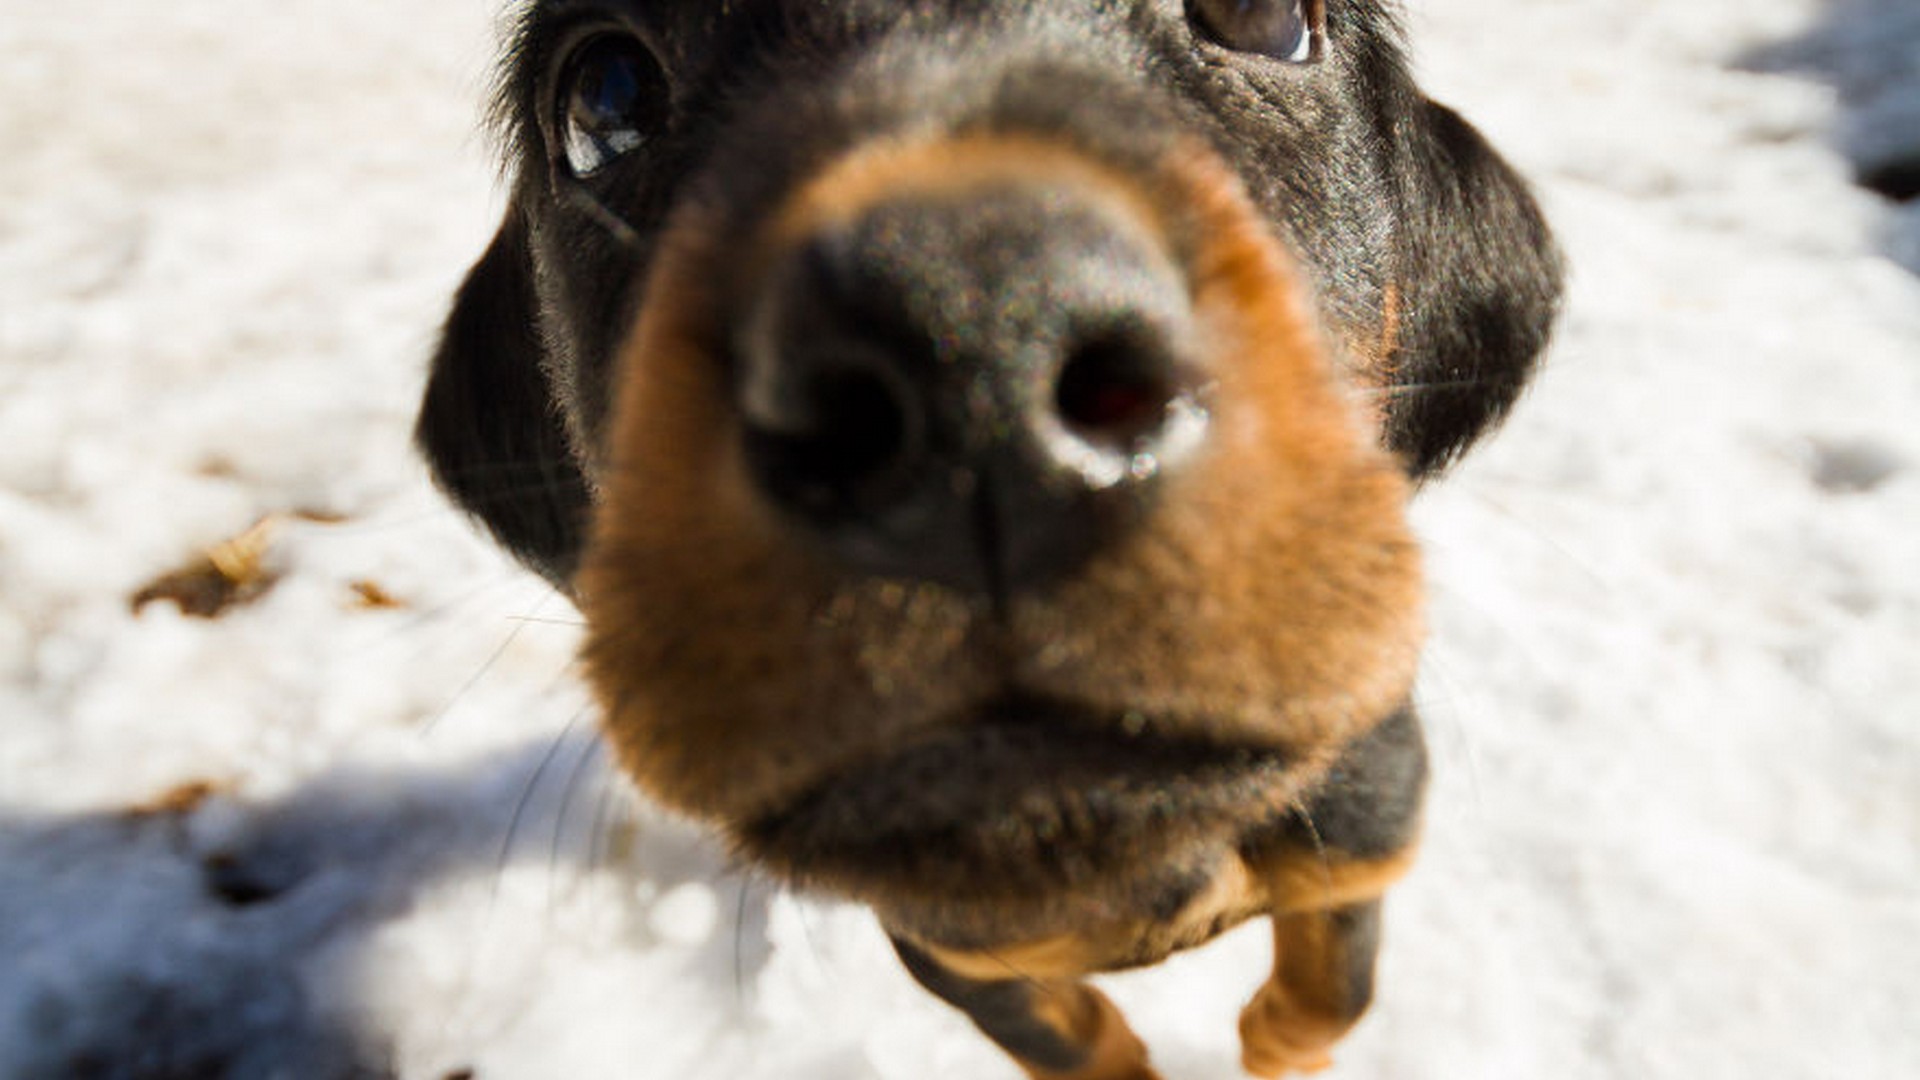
(975, 378)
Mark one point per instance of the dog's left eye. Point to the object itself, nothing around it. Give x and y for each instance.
(1286, 30)
(613, 98)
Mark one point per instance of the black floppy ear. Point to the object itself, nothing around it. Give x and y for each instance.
(1479, 285)
(489, 427)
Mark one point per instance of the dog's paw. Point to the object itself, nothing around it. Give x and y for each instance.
(1279, 1037)
(1114, 1052)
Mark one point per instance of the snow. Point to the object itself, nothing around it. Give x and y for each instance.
(1672, 692)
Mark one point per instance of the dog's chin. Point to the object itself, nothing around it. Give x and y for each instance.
(1026, 802)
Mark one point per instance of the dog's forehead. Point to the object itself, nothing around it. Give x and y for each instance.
(691, 28)
(713, 47)
(710, 13)
(900, 57)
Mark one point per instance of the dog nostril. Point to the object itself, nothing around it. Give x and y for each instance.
(834, 435)
(1114, 392)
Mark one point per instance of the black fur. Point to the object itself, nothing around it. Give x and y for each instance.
(1483, 286)
(1368, 807)
(497, 442)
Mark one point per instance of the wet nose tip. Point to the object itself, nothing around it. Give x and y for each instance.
(1124, 405)
(980, 393)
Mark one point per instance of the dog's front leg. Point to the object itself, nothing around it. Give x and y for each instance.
(1324, 870)
(1056, 1028)
(1322, 982)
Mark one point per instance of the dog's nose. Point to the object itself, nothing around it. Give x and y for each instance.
(980, 389)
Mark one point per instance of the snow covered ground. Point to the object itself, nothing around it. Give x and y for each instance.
(1674, 691)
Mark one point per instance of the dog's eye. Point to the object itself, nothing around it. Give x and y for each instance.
(1286, 30)
(613, 98)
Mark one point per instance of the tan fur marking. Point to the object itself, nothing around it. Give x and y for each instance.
(946, 170)
(1232, 897)
(1389, 323)
(1293, 883)
(1307, 881)
(1378, 364)
(1065, 956)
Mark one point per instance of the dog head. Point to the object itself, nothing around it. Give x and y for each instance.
(978, 431)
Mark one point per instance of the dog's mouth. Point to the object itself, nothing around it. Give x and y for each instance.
(1024, 797)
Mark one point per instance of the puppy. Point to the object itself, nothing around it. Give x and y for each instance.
(978, 434)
